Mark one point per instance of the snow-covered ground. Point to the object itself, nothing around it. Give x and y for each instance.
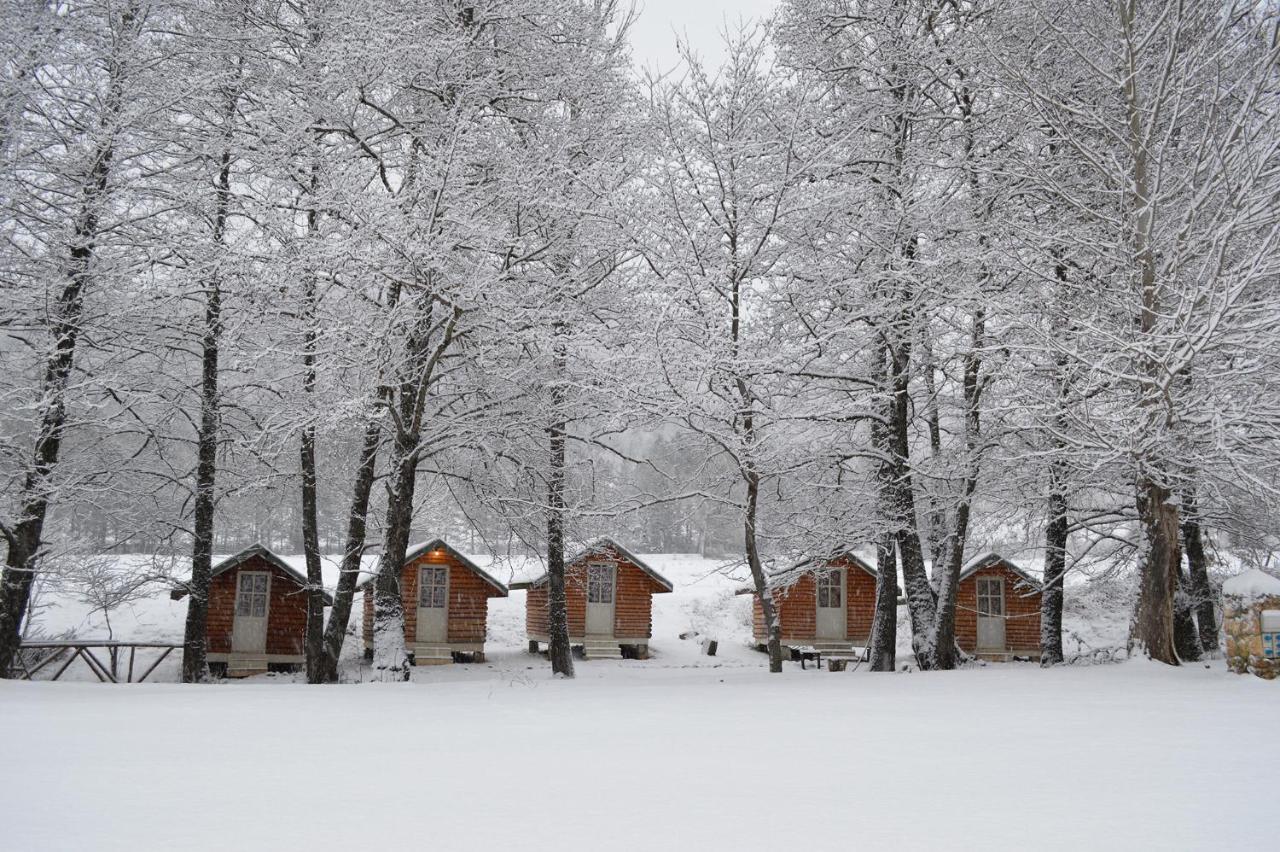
(649, 755)
(682, 751)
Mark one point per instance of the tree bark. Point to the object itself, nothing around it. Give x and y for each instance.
(25, 537)
(946, 654)
(1185, 639)
(773, 624)
(314, 639)
(884, 624)
(1055, 565)
(559, 649)
(1152, 630)
(194, 653)
(1200, 590)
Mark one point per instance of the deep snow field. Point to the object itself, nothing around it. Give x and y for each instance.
(682, 751)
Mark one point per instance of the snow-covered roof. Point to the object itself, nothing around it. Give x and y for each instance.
(261, 551)
(987, 560)
(417, 550)
(779, 577)
(1252, 584)
(604, 543)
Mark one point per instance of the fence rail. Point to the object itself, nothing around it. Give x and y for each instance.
(109, 672)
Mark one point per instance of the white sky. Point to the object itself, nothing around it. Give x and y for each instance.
(653, 37)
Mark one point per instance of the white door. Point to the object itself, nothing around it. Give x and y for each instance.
(830, 619)
(600, 594)
(433, 603)
(991, 614)
(249, 628)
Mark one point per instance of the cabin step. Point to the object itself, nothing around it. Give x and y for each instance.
(601, 649)
(246, 666)
(432, 655)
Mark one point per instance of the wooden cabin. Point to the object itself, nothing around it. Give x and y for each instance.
(825, 604)
(257, 614)
(446, 605)
(998, 610)
(609, 593)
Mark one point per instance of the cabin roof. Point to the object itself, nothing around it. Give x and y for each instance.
(265, 553)
(779, 577)
(1252, 584)
(417, 550)
(595, 546)
(988, 560)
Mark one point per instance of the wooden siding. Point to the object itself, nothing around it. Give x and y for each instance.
(1021, 606)
(797, 606)
(633, 598)
(286, 616)
(469, 595)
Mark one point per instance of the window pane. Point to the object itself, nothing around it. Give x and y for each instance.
(259, 606)
(260, 583)
(242, 605)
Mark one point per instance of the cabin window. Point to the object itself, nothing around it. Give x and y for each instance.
(830, 592)
(251, 596)
(600, 583)
(1271, 633)
(990, 596)
(432, 586)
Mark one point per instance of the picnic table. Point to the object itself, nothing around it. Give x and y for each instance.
(83, 649)
(837, 658)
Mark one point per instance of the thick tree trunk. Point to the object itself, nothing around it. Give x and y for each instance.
(26, 535)
(1152, 630)
(389, 638)
(946, 654)
(344, 594)
(559, 650)
(1199, 589)
(194, 662)
(313, 643)
(884, 624)
(1185, 639)
(1055, 565)
(921, 603)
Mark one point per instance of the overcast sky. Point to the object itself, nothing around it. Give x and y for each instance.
(653, 38)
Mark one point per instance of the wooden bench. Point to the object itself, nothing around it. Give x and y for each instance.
(836, 660)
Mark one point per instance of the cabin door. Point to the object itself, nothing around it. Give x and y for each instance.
(601, 588)
(830, 620)
(249, 627)
(991, 614)
(433, 603)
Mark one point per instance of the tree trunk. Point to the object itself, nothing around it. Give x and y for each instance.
(340, 613)
(194, 661)
(771, 621)
(388, 605)
(1055, 565)
(313, 644)
(559, 650)
(946, 654)
(1152, 630)
(884, 625)
(1200, 590)
(26, 536)
(1185, 639)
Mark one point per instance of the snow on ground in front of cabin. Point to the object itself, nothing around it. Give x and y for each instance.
(632, 756)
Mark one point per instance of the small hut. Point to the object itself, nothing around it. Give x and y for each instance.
(827, 604)
(997, 609)
(1251, 622)
(257, 614)
(446, 605)
(609, 592)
